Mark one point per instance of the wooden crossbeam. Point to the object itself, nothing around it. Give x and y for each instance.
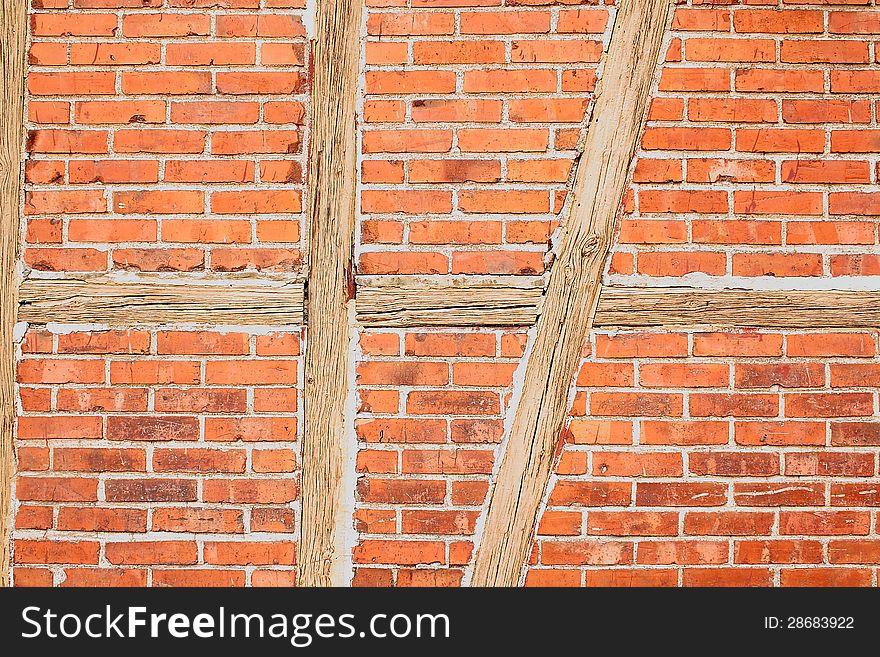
(160, 300)
(13, 19)
(407, 301)
(572, 292)
(413, 302)
(332, 200)
(425, 302)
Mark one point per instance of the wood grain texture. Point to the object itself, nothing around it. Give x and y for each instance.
(13, 17)
(412, 301)
(572, 292)
(332, 194)
(154, 300)
(789, 309)
(514, 301)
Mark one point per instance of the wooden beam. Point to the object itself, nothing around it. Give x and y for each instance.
(423, 302)
(332, 200)
(13, 23)
(514, 301)
(640, 307)
(573, 290)
(410, 301)
(241, 300)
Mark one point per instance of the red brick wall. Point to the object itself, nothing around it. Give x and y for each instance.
(176, 145)
(710, 459)
(162, 137)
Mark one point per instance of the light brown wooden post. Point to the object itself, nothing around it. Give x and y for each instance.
(573, 290)
(13, 17)
(332, 191)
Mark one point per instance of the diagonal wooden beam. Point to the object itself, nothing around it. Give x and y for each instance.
(13, 33)
(573, 290)
(332, 198)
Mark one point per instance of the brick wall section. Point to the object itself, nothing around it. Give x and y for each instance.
(760, 157)
(744, 171)
(431, 409)
(472, 115)
(708, 459)
(164, 457)
(165, 137)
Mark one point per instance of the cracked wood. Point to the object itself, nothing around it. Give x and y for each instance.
(13, 16)
(332, 194)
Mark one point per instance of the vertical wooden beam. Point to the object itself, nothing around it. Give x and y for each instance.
(13, 23)
(573, 290)
(332, 191)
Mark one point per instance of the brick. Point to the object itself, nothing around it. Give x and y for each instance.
(399, 552)
(777, 551)
(770, 140)
(768, 80)
(250, 491)
(686, 139)
(734, 404)
(166, 25)
(694, 79)
(152, 552)
(830, 110)
(410, 82)
(421, 491)
(831, 464)
(622, 464)
(52, 552)
(586, 552)
(785, 375)
(730, 170)
(830, 344)
(727, 523)
(456, 111)
(591, 494)
(681, 494)
(505, 22)
(779, 433)
(770, 21)
(779, 494)
(150, 490)
(736, 110)
(824, 523)
(632, 523)
(682, 552)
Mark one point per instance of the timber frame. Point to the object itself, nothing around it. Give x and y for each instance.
(13, 18)
(332, 202)
(565, 305)
(424, 302)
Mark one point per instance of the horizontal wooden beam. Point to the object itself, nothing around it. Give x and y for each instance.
(640, 307)
(159, 300)
(414, 302)
(411, 301)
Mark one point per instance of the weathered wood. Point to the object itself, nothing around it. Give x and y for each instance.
(572, 292)
(414, 302)
(157, 300)
(514, 301)
(410, 301)
(332, 197)
(789, 309)
(13, 17)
